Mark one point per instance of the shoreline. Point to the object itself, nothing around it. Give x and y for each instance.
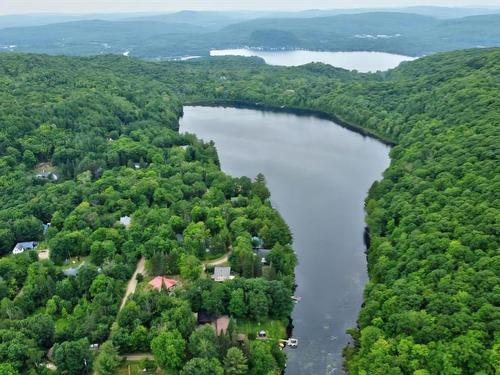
(243, 104)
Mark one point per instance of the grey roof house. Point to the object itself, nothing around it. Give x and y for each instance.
(222, 274)
(22, 246)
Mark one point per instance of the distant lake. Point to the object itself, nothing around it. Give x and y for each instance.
(360, 61)
(319, 174)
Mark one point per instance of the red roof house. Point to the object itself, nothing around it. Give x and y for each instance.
(160, 282)
(222, 324)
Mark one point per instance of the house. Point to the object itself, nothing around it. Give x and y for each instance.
(44, 175)
(125, 221)
(22, 246)
(160, 282)
(222, 324)
(222, 274)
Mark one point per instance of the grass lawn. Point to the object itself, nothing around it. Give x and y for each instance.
(136, 370)
(276, 329)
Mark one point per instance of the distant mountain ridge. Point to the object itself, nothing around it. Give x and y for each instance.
(196, 33)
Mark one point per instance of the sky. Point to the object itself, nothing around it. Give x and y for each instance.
(106, 6)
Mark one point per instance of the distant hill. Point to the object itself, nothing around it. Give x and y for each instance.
(403, 33)
(196, 33)
(221, 19)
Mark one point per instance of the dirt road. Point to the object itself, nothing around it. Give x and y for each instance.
(132, 284)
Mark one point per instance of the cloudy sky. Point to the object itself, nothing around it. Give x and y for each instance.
(91, 6)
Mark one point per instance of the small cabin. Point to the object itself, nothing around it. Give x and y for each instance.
(22, 246)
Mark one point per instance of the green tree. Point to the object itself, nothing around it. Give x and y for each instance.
(168, 349)
(190, 267)
(203, 342)
(180, 317)
(235, 362)
(202, 366)
(196, 239)
(8, 369)
(73, 357)
(107, 360)
(258, 305)
(237, 305)
(259, 188)
(261, 358)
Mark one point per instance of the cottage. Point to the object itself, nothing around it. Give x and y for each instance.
(222, 274)
(160, 282)
(222, 324)
(22, 246)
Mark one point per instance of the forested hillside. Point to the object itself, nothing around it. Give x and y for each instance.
(431, 306)
(196, 34)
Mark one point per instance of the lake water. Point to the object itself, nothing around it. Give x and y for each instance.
(360, 61)
(319, 174)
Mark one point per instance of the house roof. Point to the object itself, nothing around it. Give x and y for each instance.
(160, 281)
(25, 245)
(222, 272)
(221, 324)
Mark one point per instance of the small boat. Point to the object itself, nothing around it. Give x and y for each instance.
(296, 299)
(293, 343)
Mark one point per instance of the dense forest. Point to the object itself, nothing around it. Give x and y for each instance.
(196, 33)
(112, 141)
(108, 126)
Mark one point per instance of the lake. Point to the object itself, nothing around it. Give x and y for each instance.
(319, 174)
(359, 60)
